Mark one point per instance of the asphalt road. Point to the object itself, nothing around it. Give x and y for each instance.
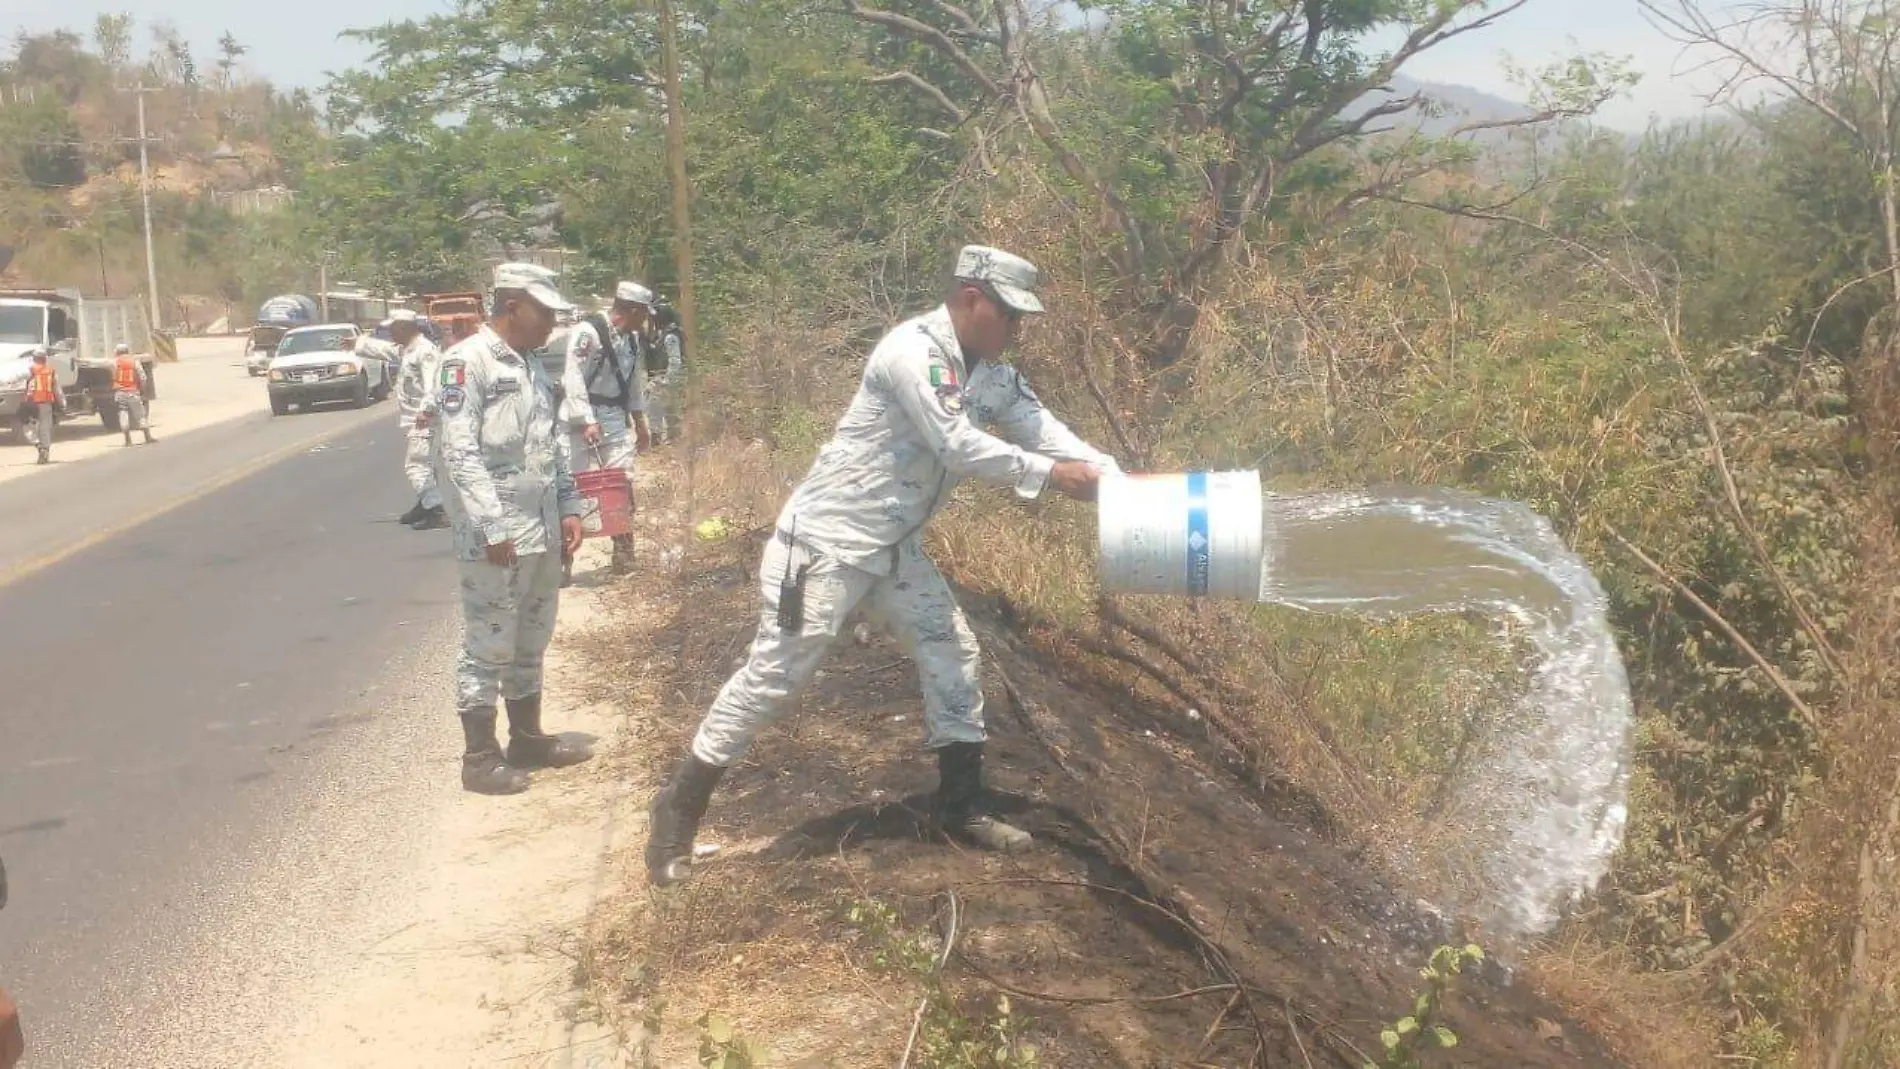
(203, 667)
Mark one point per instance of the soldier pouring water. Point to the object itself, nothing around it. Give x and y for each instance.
(935, 405)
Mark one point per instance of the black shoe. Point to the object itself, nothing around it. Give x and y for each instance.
(416, 512)
(677, 811)
(959, 794)
(149, 439)
(484, 769)
(529, 747)
(45, 457)
(128, 437)
(432, 520)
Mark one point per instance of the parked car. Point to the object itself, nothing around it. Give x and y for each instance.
(321, 363)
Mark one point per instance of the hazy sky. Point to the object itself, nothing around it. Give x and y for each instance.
(296, 45)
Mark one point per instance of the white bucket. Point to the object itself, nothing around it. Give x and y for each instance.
(1196, 534)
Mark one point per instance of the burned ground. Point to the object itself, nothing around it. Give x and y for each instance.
(1171, 913)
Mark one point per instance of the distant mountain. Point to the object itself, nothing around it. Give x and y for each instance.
(1457, 105)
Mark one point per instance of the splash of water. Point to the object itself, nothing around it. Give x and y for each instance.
(1546, 805)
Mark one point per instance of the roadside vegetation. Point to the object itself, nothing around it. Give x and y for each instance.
(1681, 347)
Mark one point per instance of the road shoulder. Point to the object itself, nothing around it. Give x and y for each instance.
(470, 954)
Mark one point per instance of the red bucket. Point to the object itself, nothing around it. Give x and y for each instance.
(607, 494)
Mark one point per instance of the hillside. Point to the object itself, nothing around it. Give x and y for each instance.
(69, 156)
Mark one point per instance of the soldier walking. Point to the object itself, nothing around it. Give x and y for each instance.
(415, 402)
(605, 399)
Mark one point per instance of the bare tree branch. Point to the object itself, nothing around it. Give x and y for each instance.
(917, 82)
(923, 32)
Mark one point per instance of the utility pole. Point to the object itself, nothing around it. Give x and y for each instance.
(145, 194)
(323, 286)
(682, 201)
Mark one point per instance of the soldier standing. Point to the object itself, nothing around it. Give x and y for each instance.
(516, 516)
(851, 535)
(602, 382)
(128, 393)
(415, 400)
(665, 389)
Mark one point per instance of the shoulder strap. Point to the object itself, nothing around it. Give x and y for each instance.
(606, 332)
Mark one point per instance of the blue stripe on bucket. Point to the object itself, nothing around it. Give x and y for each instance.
(1199, 549)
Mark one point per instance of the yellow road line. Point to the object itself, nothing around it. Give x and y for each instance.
(41, 563)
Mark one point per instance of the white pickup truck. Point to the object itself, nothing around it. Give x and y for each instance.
(78, 334)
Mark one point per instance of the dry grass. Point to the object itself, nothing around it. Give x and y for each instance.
(1653, 1020)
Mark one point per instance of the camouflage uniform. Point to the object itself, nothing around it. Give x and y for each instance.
(502, 478)
(851, 536)
(415, 382)
(911, 434)
(664, 391)
(593, 397)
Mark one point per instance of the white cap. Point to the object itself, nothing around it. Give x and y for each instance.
(536, 281)
(404, 315)
(122, 348)
(634, 293)
(1012, 277)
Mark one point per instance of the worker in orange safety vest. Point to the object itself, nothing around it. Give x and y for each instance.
(42, 394)
(128, 392)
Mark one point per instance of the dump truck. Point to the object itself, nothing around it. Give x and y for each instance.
(274, 317)
(458, 314)
(78, 335)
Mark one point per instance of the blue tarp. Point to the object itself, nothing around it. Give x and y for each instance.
(291, 309)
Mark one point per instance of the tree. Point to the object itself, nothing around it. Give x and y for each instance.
(1838, 61)
(1222, 111)
(229, 52)
(112, 36)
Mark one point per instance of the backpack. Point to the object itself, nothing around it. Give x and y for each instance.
(605, 332)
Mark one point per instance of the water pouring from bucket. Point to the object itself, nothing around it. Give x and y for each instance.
(1545, 807)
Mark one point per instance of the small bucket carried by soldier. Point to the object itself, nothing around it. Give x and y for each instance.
(607, 495)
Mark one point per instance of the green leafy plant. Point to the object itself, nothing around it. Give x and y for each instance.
(943, 1034)
(722, 1047)
(1419, 1031)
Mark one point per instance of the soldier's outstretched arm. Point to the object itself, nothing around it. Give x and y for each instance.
(458, 402)
(1027, 423)
(927, 389)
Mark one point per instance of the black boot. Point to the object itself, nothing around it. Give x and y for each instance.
(46, 455)
(433, 519)
(528, 747)
(484, 770)
(148, 435)
(677, 811)
(415, 513)
(128, 437)
(623, 554)
(959, 794)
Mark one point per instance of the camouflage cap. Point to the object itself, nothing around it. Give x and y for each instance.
(537, 282)
(1012, 277)
(633, 293)
(404, 315)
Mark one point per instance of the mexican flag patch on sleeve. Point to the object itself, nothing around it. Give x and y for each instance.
(941, 375)
(454, 373)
